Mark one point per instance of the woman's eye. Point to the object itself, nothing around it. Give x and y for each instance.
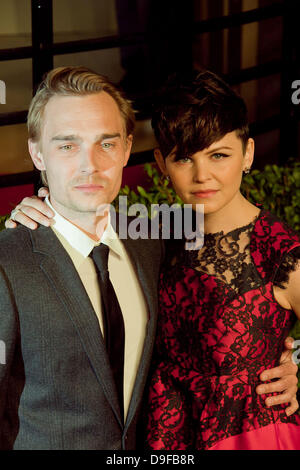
(219, 156)
(185, 160)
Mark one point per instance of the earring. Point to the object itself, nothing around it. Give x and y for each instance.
(246, 171)
(168, 178)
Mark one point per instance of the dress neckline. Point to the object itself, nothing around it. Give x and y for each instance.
(235, 230)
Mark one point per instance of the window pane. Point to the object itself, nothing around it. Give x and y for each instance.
(83, 19)
(266, 149)
(15, 23)
(262, 97)
(270, 40)
(17, 75)
(106, 62)
(14, 152)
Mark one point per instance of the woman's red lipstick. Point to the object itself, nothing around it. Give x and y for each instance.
(206, 193)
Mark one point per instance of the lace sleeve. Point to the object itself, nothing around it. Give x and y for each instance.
(290, 263)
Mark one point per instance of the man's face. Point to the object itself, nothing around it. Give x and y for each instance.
(83, 150)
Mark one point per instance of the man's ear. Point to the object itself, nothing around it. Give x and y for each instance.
(129, 140)
(36, 155)
(249, 154)
(160, 161)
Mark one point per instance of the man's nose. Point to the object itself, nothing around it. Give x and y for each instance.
(89, 161)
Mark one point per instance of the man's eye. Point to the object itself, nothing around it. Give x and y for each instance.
(66, 147)
(107, 145)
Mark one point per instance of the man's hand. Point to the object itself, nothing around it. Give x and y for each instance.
(287, 383)
(31, 212)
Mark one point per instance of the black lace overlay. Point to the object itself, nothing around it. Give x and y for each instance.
(289, 264)
(225, 256)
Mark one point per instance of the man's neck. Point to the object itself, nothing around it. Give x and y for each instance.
(90, 223)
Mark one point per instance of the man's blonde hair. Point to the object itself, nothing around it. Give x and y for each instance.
(68, 81)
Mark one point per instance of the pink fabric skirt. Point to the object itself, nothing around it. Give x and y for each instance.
(278, 436)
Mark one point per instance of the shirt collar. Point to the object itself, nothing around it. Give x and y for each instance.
(80, 240)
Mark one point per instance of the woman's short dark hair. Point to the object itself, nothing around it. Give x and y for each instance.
(193, 112)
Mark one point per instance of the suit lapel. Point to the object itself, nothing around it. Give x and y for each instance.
(59, 270)
(138, 251)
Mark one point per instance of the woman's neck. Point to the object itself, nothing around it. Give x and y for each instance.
(236, 213)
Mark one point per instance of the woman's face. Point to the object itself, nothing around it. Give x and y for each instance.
(211, 176)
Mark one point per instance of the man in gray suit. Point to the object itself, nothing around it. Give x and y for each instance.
(57, 388)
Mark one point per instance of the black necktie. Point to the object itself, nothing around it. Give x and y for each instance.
(114, 332)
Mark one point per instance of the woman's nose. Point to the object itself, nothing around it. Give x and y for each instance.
(201, 172)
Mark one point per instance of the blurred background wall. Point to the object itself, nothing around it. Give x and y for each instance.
(138, 43)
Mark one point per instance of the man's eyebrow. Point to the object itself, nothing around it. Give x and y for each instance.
(66, 137)
(73, 137)
(108, 136)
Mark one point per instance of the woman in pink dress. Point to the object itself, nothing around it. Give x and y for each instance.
(226, 308)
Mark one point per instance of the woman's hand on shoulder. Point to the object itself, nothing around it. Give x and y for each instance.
(31, 212)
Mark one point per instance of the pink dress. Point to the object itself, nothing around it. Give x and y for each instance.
(219, 327)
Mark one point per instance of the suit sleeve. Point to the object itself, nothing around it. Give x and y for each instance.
(8, 333)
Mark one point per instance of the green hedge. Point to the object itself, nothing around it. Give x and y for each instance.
(2, 220)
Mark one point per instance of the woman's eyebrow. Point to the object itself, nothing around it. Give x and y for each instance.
(218, 149)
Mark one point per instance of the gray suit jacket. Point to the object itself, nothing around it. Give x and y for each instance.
(56, 388)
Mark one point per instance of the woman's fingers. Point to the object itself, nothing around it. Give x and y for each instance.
(35, 203)
(9, 223)
(43, 192)
(31, 217)
(31, 211)
(292, 408)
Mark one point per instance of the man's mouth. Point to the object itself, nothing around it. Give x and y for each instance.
(88, 188)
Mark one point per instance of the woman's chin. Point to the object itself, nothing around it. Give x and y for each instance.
(205, 207)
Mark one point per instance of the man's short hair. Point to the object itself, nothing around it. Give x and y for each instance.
(194, 111)
(72, 81)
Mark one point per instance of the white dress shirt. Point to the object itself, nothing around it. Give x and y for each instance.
(123, 277)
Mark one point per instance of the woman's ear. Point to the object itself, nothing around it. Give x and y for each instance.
(36, 155)
(249, 154)
(160, 161)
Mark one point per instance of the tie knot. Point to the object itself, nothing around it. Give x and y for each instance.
(100, 258)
